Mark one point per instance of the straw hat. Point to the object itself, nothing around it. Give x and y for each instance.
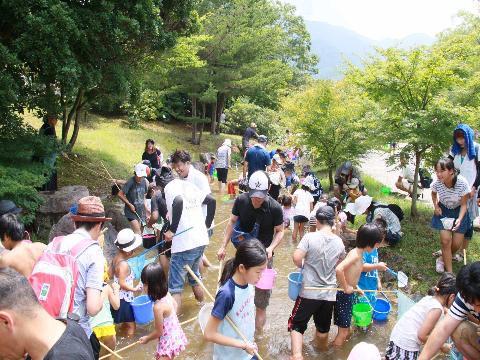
(360, 205)
(90, 209)
(227, 142)
(127, 240)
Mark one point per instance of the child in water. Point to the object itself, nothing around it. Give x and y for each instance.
(414, 327)
(369, 236)
(127, 241)
(235, 300)
(171, 338)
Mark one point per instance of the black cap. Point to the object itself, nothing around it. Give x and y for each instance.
(164, 176)
(8, 207)
(325, 213)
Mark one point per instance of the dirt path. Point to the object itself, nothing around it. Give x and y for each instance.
(375, 165)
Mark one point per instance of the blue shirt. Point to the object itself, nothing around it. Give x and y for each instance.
(368, 280)
(236, 301)
(258, 159)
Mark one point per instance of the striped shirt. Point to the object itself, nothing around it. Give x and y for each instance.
(451, 198)
(461, 309)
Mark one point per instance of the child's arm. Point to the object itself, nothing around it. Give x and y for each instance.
(211, 334)
(381, 266)
(113, 294)
(428, 325)
(298, 256)
(123, 270)
(159, 312)
(340, 271)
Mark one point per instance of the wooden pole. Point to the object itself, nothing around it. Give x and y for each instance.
(122, 349)
(230, 321)
(110, 350)
(340, 289)
(188, 321)
(464, 256)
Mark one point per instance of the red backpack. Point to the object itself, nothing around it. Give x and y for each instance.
(54, 277)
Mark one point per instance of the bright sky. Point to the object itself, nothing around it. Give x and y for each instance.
(379, 19)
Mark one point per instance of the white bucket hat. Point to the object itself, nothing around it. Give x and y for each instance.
(127, 240)
(360, 205)
(278, 159)
(354, 183)
(227, 142)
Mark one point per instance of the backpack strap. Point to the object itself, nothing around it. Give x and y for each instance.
(55, 244)
(79, 248)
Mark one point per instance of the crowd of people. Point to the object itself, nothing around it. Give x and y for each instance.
(171, 200)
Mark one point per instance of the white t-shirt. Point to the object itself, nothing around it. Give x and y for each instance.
(451, 197)
(199, 179)
(405, 331)
(223, 154)
(466, 167)
(304, 199)
(192, 215)
(408, 172)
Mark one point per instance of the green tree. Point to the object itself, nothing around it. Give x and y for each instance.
(331, 131)
(411, 89)
(73, 51)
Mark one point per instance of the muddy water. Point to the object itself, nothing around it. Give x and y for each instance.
(274, 343)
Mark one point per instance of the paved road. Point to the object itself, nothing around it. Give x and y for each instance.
(375, 165)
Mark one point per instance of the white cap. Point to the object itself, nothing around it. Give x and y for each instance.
(141, 170)
(258, 184)
(278, 159)
(127, 240)
(227, 142)
(354, 183)
(360, 205)
(308, 182)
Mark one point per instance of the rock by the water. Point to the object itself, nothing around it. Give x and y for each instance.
(63, 227)
(59, 202)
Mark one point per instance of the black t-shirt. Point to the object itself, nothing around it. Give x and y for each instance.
(268, 216)
(48, 130)
(73, 344)
(159, 204)
(249, 133)
(153, 158)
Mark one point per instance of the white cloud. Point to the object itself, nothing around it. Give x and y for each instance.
(380, 19)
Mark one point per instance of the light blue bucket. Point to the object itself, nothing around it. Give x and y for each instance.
(294, 284)
(142, 309)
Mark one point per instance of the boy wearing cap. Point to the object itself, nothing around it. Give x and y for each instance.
(256, 212)
(318, 253)
(134, 195)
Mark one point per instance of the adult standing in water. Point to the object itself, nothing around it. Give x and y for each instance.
(257, 157)
(261, 216)
(224, 155)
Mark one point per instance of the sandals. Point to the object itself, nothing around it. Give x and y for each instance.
(437, 253)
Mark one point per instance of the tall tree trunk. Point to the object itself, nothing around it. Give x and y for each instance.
(413, 209)
(202, 125)
(71, 114)
(220, 107)
(76, 129)
(213, 128)
(194, 123)
(330, 178)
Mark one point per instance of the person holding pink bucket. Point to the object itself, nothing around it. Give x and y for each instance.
(318, 253)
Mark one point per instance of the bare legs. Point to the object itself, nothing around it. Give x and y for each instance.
(260, 319)
(450, 242)
(298, 229)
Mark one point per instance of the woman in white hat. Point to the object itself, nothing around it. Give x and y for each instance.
(127, 241)
(224, 154)
(277, 177)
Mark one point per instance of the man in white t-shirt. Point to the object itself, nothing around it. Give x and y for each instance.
(184, 205)
(462, 319)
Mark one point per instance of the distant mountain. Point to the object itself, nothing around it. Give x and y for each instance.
(335, 45)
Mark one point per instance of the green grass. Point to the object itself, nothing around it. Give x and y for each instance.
(413, 254)
(111, 142)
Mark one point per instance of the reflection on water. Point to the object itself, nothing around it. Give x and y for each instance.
(274, 343)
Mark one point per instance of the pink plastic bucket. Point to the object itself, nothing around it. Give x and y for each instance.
(267, 280)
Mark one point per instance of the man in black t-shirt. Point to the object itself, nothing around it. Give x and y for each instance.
(259, 215)
(30, 330)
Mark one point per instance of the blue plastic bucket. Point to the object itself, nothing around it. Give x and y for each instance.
(142, 309)
(381, 310)
(294, 284)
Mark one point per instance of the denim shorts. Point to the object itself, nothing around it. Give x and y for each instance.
(177, 272)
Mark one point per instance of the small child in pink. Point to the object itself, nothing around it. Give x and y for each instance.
(171, 338)
(288, 210)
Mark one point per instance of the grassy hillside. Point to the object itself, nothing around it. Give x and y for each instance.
(111, 142)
